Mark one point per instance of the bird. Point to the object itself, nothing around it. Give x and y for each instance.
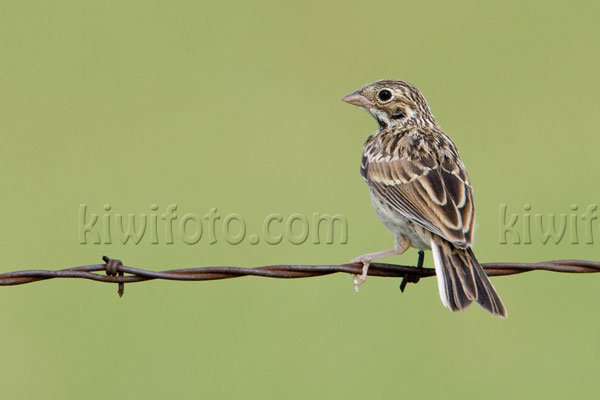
(420, 190)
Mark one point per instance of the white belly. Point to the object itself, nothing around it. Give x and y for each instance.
(398, 224)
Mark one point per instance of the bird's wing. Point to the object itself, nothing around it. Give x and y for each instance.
(435, 194)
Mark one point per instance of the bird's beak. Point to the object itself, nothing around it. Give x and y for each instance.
(357, 99)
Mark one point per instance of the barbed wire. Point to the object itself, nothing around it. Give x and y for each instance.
(113, 271)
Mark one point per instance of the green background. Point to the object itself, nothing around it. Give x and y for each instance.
(237, 106)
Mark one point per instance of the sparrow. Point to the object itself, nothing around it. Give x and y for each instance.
(421, 192)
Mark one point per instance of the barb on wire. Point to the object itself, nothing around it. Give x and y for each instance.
(115, 272)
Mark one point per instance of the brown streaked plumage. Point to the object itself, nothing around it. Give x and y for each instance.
(421, 192)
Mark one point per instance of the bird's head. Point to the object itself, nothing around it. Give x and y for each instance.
(392, 103)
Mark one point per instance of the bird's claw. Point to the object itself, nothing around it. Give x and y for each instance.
(359, 280)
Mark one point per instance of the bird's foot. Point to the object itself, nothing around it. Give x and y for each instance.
(359, 280)
(365, 260)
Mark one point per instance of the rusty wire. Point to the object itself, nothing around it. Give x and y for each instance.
(113, 271)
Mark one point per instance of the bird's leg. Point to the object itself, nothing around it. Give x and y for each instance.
(366, 259)
(402, 243)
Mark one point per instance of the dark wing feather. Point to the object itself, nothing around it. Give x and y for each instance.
(435, 194)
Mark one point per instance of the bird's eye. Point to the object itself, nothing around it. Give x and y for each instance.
(384, 95)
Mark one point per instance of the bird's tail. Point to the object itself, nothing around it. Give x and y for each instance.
(462, 280)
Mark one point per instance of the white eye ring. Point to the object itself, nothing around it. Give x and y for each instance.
(384, 95)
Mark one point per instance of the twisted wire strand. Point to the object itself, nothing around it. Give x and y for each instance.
(113, 271)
